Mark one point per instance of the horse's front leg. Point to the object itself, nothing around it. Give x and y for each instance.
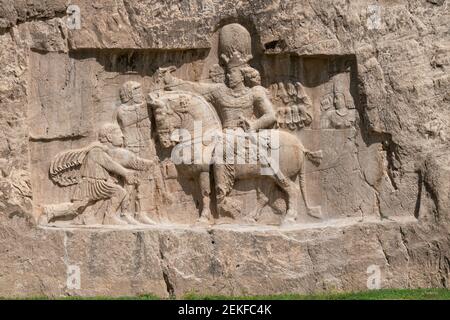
(205, 189)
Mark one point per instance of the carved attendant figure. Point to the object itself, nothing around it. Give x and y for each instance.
(134, 119)
(341, 117)
(133, 116)
(102, 165)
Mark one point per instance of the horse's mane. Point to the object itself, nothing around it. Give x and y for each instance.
(209, 113)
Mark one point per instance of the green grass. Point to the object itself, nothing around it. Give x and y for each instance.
(384, 294)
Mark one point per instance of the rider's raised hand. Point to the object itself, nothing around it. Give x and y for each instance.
(246, 124)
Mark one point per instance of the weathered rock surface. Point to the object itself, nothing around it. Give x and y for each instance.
(169, 260)
(383, 185)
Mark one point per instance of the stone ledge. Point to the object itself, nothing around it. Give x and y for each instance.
(231, 260)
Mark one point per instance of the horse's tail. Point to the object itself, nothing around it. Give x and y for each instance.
(315, 157)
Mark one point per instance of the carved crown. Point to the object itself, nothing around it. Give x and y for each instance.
(236, 59)
(235, 45)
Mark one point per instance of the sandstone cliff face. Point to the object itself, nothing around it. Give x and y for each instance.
(401, 151)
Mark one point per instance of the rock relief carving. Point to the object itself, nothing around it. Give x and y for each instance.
(134, 118)
(296, 110)
(338, 110)
(100, 172)
(247, 132)
(236, 102)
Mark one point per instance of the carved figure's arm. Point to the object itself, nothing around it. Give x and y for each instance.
(265, 107)
(207, 90)
(139, 164)
(142, 112)
(103, 159)
(129, 160)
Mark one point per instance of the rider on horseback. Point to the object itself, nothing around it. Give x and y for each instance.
(245, 110)
(237, 103)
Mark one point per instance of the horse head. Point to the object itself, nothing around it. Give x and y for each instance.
(178, 114)
(167, 121)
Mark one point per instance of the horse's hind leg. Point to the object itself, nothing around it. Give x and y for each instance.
(205, 189)
(292, 207)
(292, 192)
(314, 212)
